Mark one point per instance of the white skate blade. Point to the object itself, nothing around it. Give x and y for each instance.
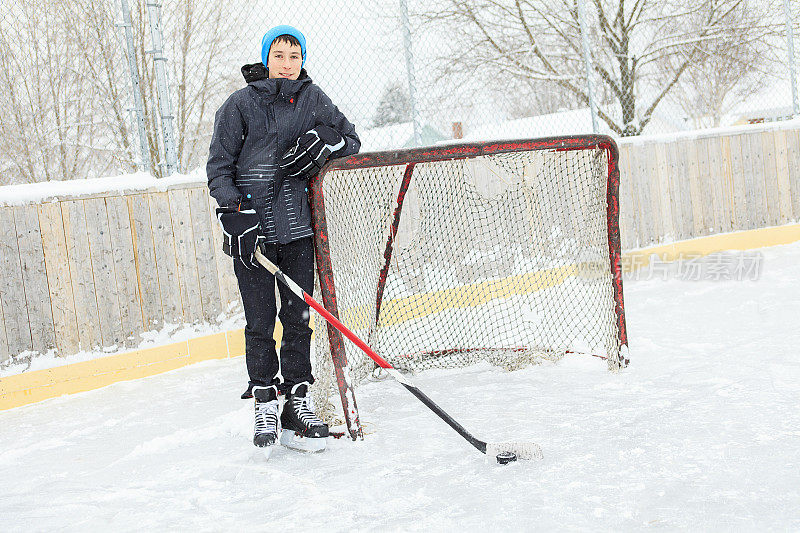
(525, 451)
(267, 451)
(292, 440)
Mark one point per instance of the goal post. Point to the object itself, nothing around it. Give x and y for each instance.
(507, 252)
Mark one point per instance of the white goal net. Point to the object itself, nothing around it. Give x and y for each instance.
(443, 258)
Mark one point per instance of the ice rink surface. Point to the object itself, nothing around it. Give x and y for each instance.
(701, 433)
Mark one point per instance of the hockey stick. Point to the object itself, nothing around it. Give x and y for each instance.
(504, 452)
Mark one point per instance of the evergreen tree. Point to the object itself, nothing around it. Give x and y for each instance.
(394, 106)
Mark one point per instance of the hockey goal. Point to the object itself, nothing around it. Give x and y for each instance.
(507, 252)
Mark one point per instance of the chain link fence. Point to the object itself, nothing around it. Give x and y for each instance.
(88, 91)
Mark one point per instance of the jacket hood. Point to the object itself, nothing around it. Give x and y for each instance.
(257, 71)
(257, 75)
(254, 71)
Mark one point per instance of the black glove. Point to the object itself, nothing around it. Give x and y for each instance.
(241, 233)
(311, 151)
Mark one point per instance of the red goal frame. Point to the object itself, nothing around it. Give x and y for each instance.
(411, 157)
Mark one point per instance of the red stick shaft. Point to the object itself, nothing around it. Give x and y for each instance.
(347, 333)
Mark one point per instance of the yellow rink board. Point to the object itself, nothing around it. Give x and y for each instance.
(35, 386)
(702, 246)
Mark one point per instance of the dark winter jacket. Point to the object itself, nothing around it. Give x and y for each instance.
(252, 130)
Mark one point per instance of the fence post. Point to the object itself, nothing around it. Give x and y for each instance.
(792, 69)
(412, 90)
(154, 13)
(136, 93)
(587, 63)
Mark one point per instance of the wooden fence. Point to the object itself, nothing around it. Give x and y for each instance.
(713, 183)
(77, 273)
(98, 271)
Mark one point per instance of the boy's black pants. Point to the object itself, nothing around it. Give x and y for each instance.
(257, 288)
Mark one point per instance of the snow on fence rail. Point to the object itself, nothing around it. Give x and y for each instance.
(78, 272)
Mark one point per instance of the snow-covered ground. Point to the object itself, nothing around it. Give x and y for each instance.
(700, 433)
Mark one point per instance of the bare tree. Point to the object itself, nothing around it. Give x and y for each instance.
(64, 80)
(202, 33)
(103, 68)
(732, 65)
(51, 127)
(531, 97)
(640, 48)
(198, 34)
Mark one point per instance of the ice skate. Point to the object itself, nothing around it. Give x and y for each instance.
(267, 414)
(302, 430)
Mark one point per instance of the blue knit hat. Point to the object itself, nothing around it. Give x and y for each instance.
(276, 32)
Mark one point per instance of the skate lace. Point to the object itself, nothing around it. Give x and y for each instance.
(267, 417)
(304, 407)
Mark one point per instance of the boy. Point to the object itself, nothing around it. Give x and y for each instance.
(269, 139)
